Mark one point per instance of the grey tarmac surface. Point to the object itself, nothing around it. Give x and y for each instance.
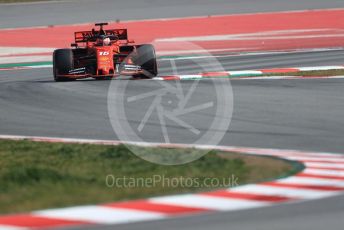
(81, 11)
(297, 114)
(287, 114)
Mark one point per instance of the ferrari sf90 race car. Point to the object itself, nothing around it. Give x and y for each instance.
(104, 54)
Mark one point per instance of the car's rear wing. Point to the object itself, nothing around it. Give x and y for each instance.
(91, 36)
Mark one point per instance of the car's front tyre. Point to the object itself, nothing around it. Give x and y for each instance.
(146, 58)
(62, 63)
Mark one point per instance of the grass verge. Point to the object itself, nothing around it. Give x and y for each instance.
(315, 73)
(36, 175)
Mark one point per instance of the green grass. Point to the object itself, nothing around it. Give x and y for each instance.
(339, 72)
(37, 175)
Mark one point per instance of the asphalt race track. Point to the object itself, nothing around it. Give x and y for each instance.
(287, 114)
(81, 11)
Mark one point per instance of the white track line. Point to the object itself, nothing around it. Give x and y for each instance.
(98, 214)
(208, 202)
(288, 192)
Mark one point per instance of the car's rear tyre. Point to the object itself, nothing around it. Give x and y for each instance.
(62, 63)
(146, 58)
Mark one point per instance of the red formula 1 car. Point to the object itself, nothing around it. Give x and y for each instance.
(104, 54)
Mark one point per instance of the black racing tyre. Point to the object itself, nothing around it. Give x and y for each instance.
(146, 58)
(62, 63)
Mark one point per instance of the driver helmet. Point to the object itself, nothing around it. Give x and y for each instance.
(106, 41)
(103, 40)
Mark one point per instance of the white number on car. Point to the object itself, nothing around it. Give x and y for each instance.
(104, 53)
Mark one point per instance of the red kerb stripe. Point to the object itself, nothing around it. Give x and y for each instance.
(321, 161)
(215, 74)
(303, 186)
(144, 205)
(26, 220)
(247, 196)
(326, 168)
(320, 176)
